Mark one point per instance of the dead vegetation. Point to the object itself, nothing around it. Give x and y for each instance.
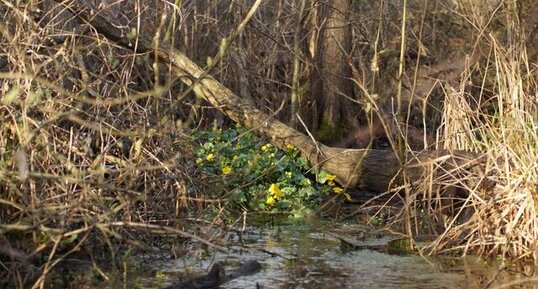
(92, 144)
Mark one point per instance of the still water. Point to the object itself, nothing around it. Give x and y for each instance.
(313, 255)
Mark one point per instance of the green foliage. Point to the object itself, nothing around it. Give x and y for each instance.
(258, 176)
(400, 246)
(329, 133)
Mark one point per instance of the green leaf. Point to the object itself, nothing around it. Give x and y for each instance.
(321, 177)
(283, 204)
(305, 182)
(307, 192)
(70, 240)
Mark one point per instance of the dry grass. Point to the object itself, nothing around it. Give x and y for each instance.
(92, 149)
(491, 110)
(90, 157)
(504, 219)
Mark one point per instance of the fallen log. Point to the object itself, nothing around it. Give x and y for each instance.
(368, 169)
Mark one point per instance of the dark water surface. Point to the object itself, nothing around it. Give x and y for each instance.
(313, 256)
(310, 255)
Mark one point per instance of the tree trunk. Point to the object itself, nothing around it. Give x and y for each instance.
(374, 170)
(330, 82)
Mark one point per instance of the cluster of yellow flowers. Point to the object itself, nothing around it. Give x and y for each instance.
(225, 169)
(274, 194)
(330, 181)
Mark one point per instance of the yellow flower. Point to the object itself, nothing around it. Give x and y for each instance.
(270, 201)
(330, 177)
(226, 170)
(266, 147)
(209, 157)
(290, 147)
(288, 175)
(273, 189)
(331, 183)
(234, 158)
(338, 190)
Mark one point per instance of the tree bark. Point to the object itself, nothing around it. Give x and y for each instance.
(375, 170)
(330, 81)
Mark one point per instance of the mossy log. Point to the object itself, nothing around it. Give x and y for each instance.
(375, 170)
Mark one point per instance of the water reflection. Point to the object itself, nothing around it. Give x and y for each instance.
(310, 256)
